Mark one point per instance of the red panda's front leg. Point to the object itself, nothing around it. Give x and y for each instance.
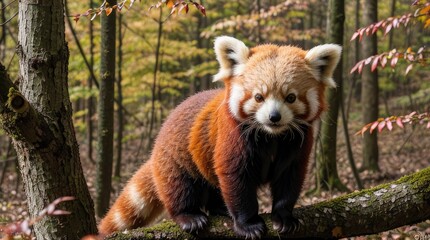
(287, 187)
(238, 181)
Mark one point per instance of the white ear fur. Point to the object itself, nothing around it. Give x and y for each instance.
(324, 59)
(232, 54)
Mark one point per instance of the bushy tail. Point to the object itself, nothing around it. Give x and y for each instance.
(136, 206)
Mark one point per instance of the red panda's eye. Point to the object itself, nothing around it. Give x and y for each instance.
(291, 98)
(258, 98)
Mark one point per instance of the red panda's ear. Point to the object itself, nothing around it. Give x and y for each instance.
(323, 59)
(232, 54)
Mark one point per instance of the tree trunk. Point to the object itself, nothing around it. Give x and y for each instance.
(385, 207)
(120, 115)
(329, 178)
(355, 86)
(370, 90)
(3, 31)
(106, 111)
(39, 120)
(91, 99)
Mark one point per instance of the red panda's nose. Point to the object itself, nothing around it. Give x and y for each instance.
(274, 116)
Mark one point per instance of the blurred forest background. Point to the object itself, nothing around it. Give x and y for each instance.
(161, 59)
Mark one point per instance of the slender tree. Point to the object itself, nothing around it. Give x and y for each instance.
(327, 168)
(90, 100)
(120, 114)
(370, 90)
(3, 30)
(38, 117)
(106, 111)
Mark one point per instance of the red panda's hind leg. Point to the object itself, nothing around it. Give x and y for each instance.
(186, 211)
(183, 197)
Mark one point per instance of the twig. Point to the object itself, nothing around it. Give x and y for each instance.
(7, 5)
(406, 140)
(4, 23)
(348, 147)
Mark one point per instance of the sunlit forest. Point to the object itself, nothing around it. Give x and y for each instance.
(113, 71)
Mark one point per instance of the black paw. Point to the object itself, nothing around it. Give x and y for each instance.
(191, 222)
(252, 229)
(285, 224)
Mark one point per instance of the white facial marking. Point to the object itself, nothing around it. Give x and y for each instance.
(285, 88)
(248, 106)
(119, 221)
(312, 97)
(236, 95)
(264, 89)
(271, 105)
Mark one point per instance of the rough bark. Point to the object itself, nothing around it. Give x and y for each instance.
(38, 117)
(106, 111)
(388, 206)
(329, 178)
(370, 90)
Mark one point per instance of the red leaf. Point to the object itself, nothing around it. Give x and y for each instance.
(374, 125)
(360, 68)
(399, 122)
(200, 7)
(354, 36)
(374, 29)
(420, 50)
(389, 124)
(368, 60)
(355, 67)
(409, 68)
(388, 28)
(375, 63)
(108, 11)
(173, 10)
(362, 33)
(384, 61)
(363, 130)
(368, 29)
(411, 114)
(396, 22)
(394, 60)
(381, 126)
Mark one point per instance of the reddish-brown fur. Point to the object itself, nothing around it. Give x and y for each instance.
(203, 162)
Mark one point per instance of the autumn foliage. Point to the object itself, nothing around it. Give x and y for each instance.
(175, 6)
(391, 59)
(24, 227)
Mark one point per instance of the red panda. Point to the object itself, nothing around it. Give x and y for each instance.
(218, 146)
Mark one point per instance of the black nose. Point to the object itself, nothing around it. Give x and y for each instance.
(275, 116)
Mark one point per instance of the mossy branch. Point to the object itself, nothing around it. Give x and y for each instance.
(388, 206)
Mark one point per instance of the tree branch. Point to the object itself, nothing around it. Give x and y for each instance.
(388, 206)
(17, 116)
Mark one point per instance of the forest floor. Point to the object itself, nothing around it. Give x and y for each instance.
(402, 151)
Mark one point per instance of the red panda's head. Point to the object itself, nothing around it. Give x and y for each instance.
(275, 88)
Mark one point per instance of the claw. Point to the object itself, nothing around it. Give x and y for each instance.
(191, 222)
